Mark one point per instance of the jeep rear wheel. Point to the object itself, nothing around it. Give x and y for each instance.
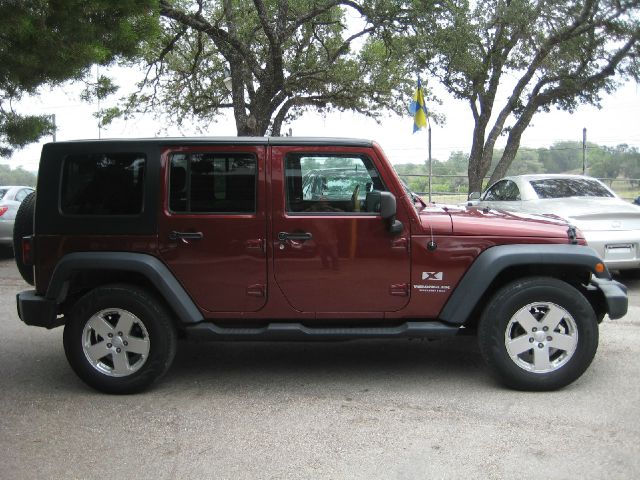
(119, 339)
(538, 334)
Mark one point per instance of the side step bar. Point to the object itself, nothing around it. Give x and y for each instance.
(298, 331)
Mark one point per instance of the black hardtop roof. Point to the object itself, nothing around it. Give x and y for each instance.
(182, 141)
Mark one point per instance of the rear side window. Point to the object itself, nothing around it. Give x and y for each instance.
(569, 187)
(103, 184)
(212, 183)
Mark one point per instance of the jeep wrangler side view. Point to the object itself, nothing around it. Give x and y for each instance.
(133, 243)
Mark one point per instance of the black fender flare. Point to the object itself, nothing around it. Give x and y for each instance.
(155, 271)
(493, 261)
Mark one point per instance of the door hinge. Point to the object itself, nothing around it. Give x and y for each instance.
(399, 289)
(256, 290)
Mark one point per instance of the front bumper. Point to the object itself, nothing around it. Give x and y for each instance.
(615, 296)
(37, 310)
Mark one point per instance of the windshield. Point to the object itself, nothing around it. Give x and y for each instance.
(569, 187)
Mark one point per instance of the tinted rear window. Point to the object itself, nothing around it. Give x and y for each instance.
(3, 191)
(569, 187)
(212, 183)
(103, 184)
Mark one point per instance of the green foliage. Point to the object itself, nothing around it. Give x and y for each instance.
(557, 54)
(49, 42)
(17, 176)
(282, 59)
(20, 130)
(561, 157)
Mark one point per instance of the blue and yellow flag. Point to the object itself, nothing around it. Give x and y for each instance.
(418, 109)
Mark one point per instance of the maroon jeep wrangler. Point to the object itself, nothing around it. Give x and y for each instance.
(133, 243)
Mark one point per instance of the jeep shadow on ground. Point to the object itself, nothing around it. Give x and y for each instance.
(318, 365)
(6, 252)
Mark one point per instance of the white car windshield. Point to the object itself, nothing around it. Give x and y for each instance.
(569, 187)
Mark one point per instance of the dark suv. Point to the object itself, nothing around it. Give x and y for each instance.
(133, 243)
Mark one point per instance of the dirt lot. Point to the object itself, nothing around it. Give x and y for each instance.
(366, 409)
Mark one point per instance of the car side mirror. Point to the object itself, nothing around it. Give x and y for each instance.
(474, 196)
(385, 203)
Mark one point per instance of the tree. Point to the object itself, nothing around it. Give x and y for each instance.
(17, 176)
(555, 54)
(270, 60)
(49, 42)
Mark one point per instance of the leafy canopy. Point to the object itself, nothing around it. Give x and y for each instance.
(545, 53)
(51, 41)
(279, 58)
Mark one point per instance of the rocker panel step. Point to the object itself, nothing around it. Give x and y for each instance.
(298, 331)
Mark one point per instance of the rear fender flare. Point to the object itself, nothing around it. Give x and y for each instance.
(148, 266)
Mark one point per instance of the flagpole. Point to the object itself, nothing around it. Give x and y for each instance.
(430, 170)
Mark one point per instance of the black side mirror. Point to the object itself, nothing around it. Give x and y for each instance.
(385, 203)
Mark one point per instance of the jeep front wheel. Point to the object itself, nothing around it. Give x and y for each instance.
(538, 334)
(119, 339)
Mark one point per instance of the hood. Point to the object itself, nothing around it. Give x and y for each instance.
(472, 221)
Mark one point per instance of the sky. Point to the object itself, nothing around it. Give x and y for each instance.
(616, 123)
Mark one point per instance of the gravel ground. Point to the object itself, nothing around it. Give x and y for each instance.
(364, 409)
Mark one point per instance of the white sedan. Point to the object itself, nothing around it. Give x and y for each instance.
(10, 199)
(610, 225)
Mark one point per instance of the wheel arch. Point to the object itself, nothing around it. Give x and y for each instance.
(502, 264)
(100, 268)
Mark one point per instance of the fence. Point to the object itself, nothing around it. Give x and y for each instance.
(453, 189)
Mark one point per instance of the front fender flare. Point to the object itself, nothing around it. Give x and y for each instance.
(493, 261)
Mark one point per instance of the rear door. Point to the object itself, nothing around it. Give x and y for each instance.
(332, 250)
(212, 229)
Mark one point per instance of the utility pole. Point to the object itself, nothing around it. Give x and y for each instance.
(584, 150)
(55, 127)
(430, 161)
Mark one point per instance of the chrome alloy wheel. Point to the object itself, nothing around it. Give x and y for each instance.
(541, 337)
(115, 342)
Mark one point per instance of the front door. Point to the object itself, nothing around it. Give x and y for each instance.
(213, 226)
(332, 250)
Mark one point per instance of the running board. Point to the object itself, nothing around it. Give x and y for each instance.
(298, 331)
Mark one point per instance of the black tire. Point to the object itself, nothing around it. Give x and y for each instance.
(121, 364)
(515, 318)
(23, 227)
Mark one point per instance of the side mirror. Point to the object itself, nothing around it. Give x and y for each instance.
(385, 203)
(474, 196)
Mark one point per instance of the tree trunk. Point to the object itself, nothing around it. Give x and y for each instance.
(513, 142)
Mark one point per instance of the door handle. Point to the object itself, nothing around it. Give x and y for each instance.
(184, 236)
(299, 236)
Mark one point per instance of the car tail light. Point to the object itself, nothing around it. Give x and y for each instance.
(27, 251)
(3, 210)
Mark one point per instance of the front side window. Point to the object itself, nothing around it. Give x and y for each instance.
(212, 183)
(330, 184)
(103, 184)
(503, 191)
